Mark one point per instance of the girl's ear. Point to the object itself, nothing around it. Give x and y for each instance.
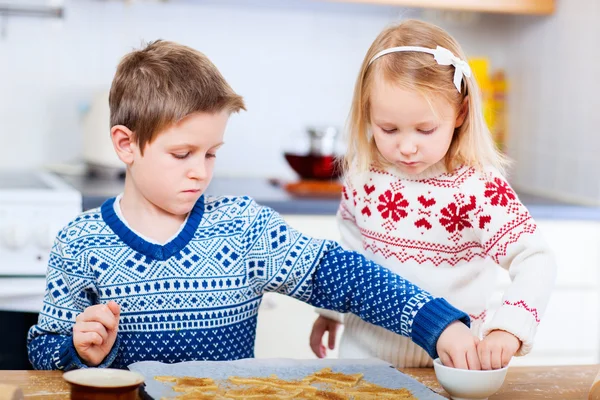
(463, 112)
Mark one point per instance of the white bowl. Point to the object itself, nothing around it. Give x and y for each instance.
(464, 384)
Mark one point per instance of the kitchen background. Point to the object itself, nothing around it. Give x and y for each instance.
(295, 63)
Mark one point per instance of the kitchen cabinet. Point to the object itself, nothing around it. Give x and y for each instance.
(534, 7)
(568, 334)
(284, 323)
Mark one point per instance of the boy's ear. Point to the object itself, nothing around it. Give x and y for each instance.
(124, 143)
(462, 113)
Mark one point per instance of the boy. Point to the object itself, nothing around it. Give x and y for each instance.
(164, 273)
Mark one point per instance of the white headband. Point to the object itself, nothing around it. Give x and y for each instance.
(442, 55)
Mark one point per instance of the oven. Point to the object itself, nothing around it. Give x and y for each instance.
(34, 206)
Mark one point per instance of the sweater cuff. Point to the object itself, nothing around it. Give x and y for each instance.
(68, 358)
(333, 315)
(517, 321)
(431, 320)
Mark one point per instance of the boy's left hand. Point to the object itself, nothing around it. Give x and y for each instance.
(496, 349)
(457, 347)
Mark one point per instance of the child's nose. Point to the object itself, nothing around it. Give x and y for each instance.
(407, 147)
(198, 172)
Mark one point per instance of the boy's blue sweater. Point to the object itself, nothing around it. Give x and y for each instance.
(197, 297)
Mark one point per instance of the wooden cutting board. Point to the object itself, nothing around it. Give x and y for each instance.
(331, 189)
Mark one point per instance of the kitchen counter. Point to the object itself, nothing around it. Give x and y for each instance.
(522, 383)
(96, 190)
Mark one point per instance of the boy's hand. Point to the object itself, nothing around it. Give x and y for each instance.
(457, 347)
(497, 348)
(95, 332)
(321, 326)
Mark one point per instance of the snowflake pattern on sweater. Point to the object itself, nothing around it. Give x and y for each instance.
(197, 297)
(445, 231)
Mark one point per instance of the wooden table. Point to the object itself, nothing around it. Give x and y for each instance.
(522, 383)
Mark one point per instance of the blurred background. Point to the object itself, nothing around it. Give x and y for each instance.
(295, 62)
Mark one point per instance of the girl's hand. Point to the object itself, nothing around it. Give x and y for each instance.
(321, 326)
(497, 348)
(457, 347)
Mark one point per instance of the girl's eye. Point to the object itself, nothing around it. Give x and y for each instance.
(427, 132)
(389, 130)
(181, 156)
(209, 155)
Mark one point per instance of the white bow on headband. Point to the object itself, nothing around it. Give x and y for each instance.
(442, 55)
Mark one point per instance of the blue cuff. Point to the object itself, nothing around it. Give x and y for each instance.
(431, 320)
(69, 359)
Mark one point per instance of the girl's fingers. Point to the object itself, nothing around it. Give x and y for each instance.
(496, 358)
(484, 358)
(473, 359)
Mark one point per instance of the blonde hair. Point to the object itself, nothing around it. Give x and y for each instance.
(163, 83)
(472, 143)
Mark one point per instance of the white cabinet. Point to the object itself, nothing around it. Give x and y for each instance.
(568, 334)
(284, 323)
(570, 329)
(284, 326)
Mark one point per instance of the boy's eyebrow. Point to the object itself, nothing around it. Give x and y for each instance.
(192, 146)
(183, 146)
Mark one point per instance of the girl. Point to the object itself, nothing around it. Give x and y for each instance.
(425, 196)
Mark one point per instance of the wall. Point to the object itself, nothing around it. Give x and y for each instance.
(295, 63)
(554, 102)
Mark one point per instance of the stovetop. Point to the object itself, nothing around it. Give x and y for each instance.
(22, 180)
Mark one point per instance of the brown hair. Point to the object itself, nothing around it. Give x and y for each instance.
(471, 144)
(163, 83)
